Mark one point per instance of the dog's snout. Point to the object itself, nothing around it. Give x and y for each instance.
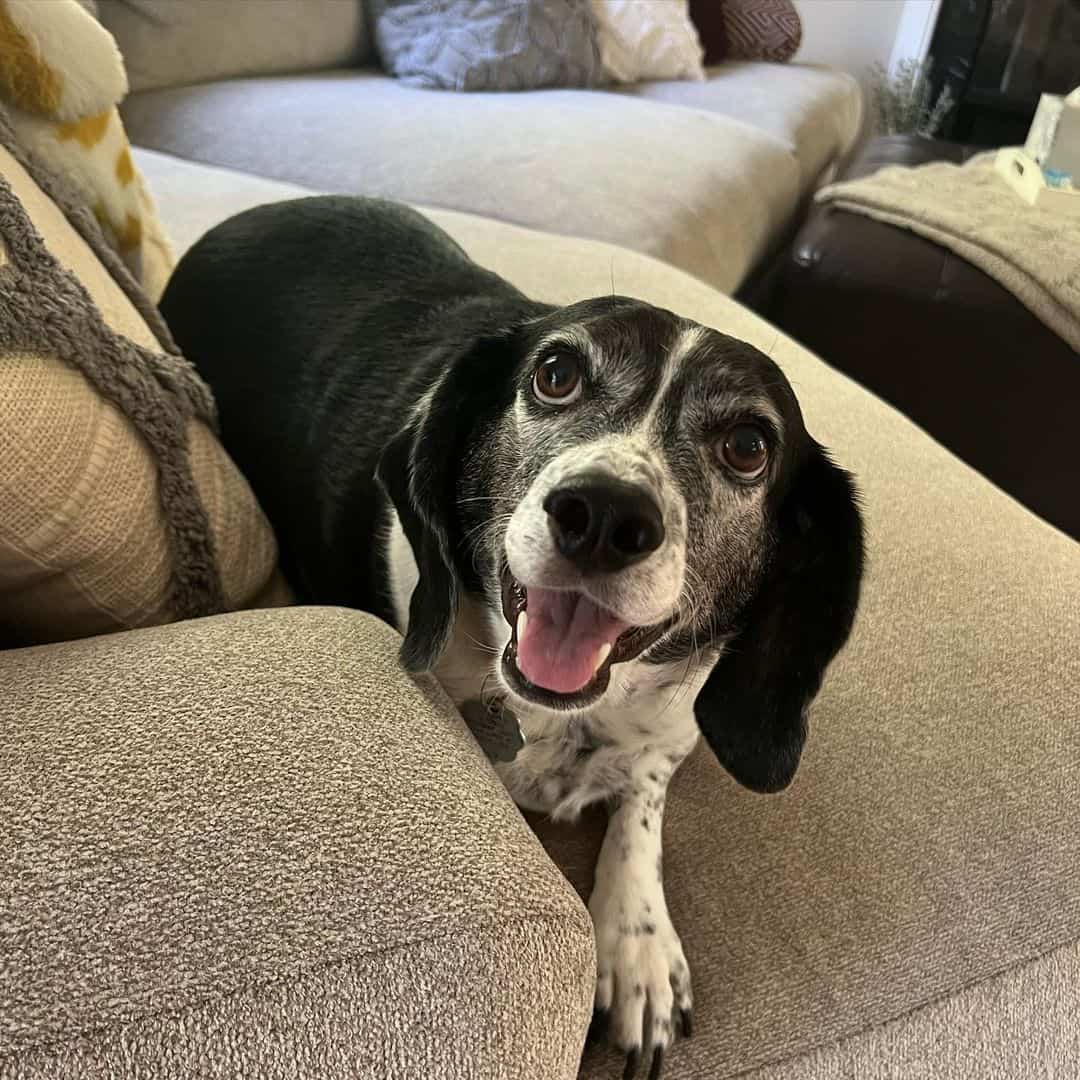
(604, 525)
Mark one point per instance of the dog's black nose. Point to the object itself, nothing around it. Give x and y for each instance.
(604, 525)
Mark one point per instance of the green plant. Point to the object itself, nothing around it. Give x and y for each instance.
(901, 103)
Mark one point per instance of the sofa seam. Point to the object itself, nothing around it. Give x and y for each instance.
(838, 1041)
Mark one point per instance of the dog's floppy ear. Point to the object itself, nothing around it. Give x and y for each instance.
(417, 470)
(414, 472)
(752, 709)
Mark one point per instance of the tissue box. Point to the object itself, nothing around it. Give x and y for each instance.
(1025, 176)
(1054, 139)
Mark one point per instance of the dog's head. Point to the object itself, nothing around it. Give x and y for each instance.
(625, 487)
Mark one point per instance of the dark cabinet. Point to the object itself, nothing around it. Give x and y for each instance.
(997, 57)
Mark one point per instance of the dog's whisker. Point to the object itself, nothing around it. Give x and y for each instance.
(483, 645)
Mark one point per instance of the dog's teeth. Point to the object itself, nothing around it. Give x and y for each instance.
(523, 621)
(601, 655)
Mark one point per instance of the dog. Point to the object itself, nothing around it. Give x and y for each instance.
(605, 522)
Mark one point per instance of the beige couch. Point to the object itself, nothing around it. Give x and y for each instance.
(707, 176)
(247, 846)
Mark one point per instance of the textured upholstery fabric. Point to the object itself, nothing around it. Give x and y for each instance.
(487, 44)
(99, 529)
(912, 899)
(1020, 1025)
(249, 846)
(705, 192)
(174, 42)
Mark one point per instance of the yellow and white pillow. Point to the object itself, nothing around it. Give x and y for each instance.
(61, 78)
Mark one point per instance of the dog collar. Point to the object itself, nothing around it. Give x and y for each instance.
(494, 727)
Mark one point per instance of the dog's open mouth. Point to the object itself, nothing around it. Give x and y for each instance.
(562, 644)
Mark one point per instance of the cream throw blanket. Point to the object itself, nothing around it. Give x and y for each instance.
(971, 210)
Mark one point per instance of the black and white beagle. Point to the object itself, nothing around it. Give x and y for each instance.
(604, 521)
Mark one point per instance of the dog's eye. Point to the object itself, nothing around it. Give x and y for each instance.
(744, 450)
(558, 380)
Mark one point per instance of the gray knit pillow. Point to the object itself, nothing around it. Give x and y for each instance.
(488, 44)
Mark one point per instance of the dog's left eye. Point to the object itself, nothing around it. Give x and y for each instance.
(558, 380)
(744, 450)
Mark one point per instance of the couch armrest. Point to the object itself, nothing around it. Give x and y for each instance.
(250, 846)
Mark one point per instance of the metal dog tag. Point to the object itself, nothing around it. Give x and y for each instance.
(495, 728)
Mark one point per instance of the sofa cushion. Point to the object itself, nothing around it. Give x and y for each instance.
(173, 42)
(118, 506)
(250, 846)
(930, 841)
(816, 112)
(697, 189)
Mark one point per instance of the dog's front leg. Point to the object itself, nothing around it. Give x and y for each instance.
(642, 975)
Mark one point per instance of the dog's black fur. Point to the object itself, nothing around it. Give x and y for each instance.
(319, 324)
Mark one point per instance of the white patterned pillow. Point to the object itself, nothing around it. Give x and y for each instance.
(641, 40)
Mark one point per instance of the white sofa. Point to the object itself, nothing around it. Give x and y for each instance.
(708, 176)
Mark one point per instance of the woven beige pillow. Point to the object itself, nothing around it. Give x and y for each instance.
(118, 506)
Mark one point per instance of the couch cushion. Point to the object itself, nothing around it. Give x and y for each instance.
(931, 838)
(174, 42)
(118, 506)
(697, 189)
(249, 846)
(194, 198)
(814, 111)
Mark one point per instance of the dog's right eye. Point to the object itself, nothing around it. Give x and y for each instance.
(557, 380)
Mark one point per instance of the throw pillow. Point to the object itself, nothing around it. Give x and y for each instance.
(118, 506)
(762, 29)
(487, 44)
(61, 78)
(647, 39)
(175, 42)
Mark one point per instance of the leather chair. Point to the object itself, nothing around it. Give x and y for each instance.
(939, 339)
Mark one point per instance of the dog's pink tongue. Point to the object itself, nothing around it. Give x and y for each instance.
(564, 632)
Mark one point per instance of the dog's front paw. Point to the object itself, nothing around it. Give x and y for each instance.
(642, 982)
